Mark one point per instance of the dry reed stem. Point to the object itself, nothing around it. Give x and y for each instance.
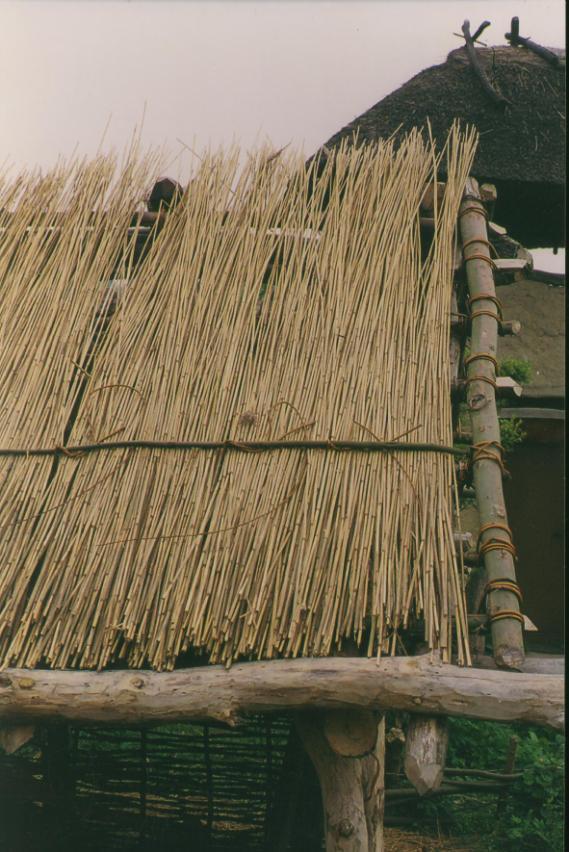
(146, 554)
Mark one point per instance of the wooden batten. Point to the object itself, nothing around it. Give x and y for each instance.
(507, 636)
(506, 386)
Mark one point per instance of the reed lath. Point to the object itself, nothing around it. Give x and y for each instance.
(274, 304)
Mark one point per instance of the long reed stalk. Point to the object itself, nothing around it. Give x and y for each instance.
(275, 303)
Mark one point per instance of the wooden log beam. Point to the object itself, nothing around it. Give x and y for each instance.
(420, 685)
(507, 636)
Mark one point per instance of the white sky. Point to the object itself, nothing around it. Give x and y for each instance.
(213, 72)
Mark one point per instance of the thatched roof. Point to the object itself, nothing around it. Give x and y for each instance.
(541, 310)
(184, 512)
(522, 146)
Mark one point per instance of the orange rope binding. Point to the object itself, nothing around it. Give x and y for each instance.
(486, 356)
(507, 613)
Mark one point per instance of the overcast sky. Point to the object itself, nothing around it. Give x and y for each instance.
(212, 72)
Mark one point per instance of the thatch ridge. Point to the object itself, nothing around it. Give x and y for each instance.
(522, 147)
(524, 142)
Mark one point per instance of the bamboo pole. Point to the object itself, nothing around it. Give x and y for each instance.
(507, 635)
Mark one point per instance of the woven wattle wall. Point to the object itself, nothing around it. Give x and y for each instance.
(275, 304)
(130, 790)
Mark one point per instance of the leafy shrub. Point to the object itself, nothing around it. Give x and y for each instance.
(528, 816)
(511, 433)
(520, 370)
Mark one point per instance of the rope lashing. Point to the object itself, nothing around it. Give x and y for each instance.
(485, 450)
(483, 257)
(490, 297)
(507, 613)
(478, 240)
(486, 356)
(240, 446)
(495, 543)
(483, 313)
(64, 451)
(471, 208)
(505, 586)
(493, 525)
(498, 544)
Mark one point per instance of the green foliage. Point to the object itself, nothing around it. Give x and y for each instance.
(528, 816)
(520, 370)
(511, 433)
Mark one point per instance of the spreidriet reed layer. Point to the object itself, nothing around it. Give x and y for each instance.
(276, 302)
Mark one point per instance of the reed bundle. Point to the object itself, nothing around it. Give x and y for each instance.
(278, 302)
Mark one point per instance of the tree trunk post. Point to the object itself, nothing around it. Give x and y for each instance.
(352, 787)
(374, 790)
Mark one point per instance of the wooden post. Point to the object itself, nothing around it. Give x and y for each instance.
(507, 635)
(426, 743)
(373, 778)
(352, 786)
